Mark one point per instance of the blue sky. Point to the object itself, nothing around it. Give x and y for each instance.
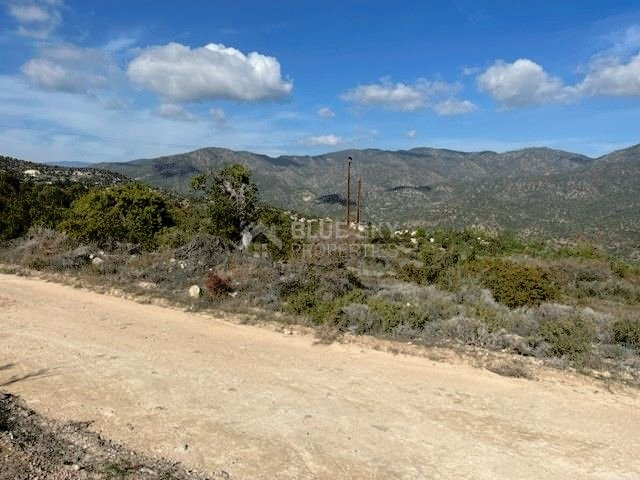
(110, 81)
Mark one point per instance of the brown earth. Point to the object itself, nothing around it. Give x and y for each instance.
(216, 395)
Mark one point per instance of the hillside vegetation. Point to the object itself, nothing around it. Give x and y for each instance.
(539, 192)
(570, 305)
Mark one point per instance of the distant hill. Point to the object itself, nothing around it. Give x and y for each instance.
(69, 164)
(313, 183)
(55, 174)
(537, 191)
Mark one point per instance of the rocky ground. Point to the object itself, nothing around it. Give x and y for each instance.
(33, 447)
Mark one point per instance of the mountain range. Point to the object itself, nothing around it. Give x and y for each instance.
(537, 192)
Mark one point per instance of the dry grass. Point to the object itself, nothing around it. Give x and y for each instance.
(339, 297)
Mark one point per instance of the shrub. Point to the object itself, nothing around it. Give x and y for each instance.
(468, 331)
(49, 203)
(26, 203)
(308, 304)
(204, 250)
(232, 200)
(494, 318)
(625, 270)
(217, 285)
(437, 260)
(280, 223)
(321, 311)
(581, 250)
(392, 315)
(570, 336)
(627, 332)
(15, 218)
(328, 276)
(516, 285)
(360, 319)
(511, 368)
(131, 213)
(411, 272)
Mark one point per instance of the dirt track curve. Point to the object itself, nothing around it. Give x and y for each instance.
(260, 404)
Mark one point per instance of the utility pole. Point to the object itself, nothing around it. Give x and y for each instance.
(358, 201)
(349, 192)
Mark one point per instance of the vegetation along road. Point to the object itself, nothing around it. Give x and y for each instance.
(214, 394)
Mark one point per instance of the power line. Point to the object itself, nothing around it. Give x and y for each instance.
(101, 138)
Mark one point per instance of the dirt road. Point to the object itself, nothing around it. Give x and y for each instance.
(260, 404)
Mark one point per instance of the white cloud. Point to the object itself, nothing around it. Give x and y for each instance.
(58, 126)
(522, 83)
(119, 44)
(116, 104)
(623, 42)
(411, 134)
(175, 112)
(396, 96)
(219, 117)
(29, 13)
(71, 69)
(612, 77)
(331, 140)
(403, 97)
(454, 107)
(37, 18)
(182, 74)
(467, 71)
(326, 112)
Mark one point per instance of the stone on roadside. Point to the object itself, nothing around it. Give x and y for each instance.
(97, 261)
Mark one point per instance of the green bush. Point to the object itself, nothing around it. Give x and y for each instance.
(627, 332)
(232, 200)
(280, 223)
(24, 204)
(514, 284)
(569, 336)
(438, 260)
(49, 203)
(15, 218)
(624, 270)
(582, 251)
(494, 318)
(130, 213)
(307, 303)
(410, 272)
(446, 258)
(393, 315)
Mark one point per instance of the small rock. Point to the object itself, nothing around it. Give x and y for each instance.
(195, 291)
(81, 251)
(147, 285)
(97, 261)
(233, 294)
